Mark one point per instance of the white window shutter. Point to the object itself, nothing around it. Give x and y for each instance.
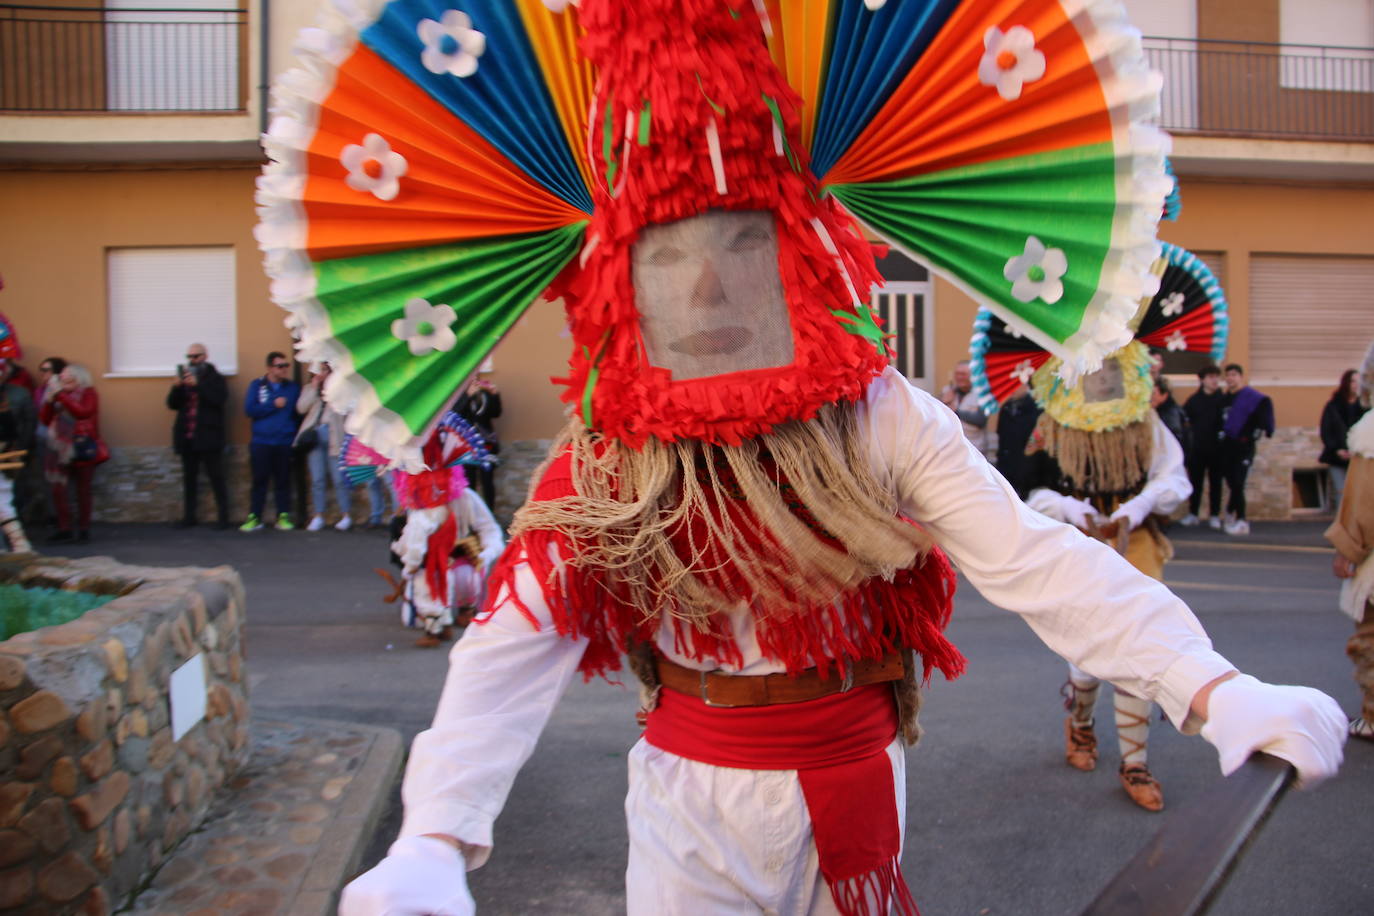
(162, 300)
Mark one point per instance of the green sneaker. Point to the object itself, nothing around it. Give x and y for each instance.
(252, 523)
(284, 523)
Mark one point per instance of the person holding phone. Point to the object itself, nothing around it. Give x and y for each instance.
(198, 396)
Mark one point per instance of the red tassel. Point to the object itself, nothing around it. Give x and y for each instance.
(875, 894)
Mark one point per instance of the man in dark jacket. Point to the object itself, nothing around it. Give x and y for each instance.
(1204, 412)
(271, 402)
(480, 404)
(198, 397)
(1015, 423)
(1249, 415)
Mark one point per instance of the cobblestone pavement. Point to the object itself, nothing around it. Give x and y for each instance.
(288, 833)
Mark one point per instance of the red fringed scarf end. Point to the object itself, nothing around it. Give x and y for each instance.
(877, 892)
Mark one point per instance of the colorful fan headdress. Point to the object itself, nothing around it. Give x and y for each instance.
(435, 170)
(1186, 314)
(9, 340)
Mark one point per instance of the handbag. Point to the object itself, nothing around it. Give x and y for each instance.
(306, 441)
(89, 450)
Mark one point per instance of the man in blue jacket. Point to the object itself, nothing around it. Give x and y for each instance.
(271, 403)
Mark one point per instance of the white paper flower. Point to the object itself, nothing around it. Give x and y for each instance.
(1022, 372)
(425, 328)
(1036, 271)
(875, 4)
(1010, 60)
(558, 6)
(1172, 305)
(1176, 341)
(452, 45)
(374, 167)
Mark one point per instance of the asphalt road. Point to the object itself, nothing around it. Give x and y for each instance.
(996, 823)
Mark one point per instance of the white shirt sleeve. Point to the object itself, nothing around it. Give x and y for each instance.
(504, 679)
(1085, 601)
(1168, 484)
(477, 517)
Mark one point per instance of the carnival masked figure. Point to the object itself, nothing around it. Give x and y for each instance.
(17, 428)
(1101, 459)
(450, 541)
(747, 502)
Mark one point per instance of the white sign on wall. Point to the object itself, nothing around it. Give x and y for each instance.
(187, 695)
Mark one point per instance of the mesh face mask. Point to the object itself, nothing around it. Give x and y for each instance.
(709, 296)
(1106, 384)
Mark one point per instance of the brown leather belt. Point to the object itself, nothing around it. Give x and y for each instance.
(716, 688)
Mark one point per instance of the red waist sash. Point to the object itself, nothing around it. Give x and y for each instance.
(837, 745)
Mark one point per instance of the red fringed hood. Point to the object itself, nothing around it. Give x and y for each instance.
(691, 115)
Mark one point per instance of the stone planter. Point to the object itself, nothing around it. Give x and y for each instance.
(105, 765)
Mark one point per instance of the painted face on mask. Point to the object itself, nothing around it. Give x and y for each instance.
(709, 296)
(1106, 384)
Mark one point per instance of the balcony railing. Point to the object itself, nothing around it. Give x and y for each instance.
(1250, 89)
(122, 58)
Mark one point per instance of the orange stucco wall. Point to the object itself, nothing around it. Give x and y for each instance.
(1237, 218)
(58, 224)
(53, 240)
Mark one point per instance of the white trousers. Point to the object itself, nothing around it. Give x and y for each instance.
(724, 841)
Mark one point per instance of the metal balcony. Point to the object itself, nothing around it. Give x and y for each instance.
(74, 59)
(1270, 91)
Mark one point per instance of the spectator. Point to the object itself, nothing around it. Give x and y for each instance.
(198, 397)
(1172, 416)
(1015, 423)
(322, 458)
(958, 396)
(271, 402)
(1352, 534)
(1248, 415)
(17, 420)
(71, 415)
(1204, 410)
(1339, 414)
(480, 404)
(32, 496)
(11, 373)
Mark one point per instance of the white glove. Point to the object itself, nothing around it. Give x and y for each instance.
(420, 876)
(1062, 508)
(1299, 724)
(1133, 512)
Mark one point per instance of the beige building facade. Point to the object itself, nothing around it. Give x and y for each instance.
(127, 198)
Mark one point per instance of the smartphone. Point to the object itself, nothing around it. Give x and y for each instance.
(181, 372)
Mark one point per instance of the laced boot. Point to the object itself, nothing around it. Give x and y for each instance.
(1080, 742)
(1132, 730)
(1080, 745)
(1143, 788)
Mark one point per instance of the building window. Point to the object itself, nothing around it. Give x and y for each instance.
(1310, 318)
(903, 303)
(173, 55)
(163, 299)
(1322, 33)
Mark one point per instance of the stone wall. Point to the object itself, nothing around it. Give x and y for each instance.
(144, 484)
(1269, 490)
(94, 790)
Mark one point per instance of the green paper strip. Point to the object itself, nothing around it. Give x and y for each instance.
(593, 376)
(782, 132)
(644, 121)
(861, 323)
(967, 222)
(717, 108)
(608, 145)
(488, 283)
